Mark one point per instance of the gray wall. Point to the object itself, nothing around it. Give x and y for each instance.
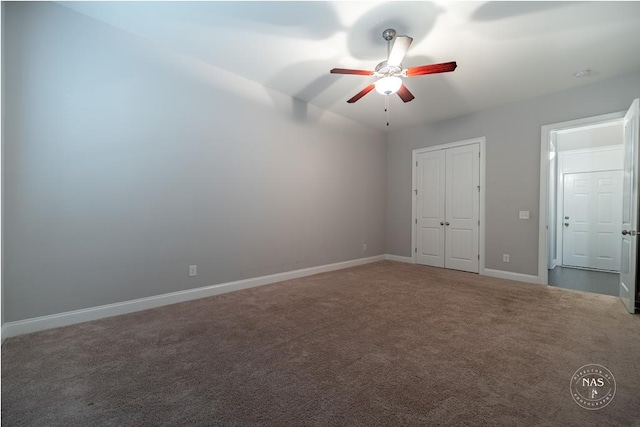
(512, 165)
(126, 162)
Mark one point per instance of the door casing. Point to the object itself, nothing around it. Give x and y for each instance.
(481, 141)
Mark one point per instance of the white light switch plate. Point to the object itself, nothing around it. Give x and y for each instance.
(524, 215)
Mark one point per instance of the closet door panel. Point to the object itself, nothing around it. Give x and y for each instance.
(462, 203)
(430, 208)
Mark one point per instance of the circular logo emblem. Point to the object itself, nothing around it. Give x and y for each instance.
(593, 386)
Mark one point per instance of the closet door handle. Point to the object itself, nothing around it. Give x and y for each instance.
(446, 223)
(441, 223)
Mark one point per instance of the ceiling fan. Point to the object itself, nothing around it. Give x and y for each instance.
(389, 72)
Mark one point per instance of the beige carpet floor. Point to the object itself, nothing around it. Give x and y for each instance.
(382, 344)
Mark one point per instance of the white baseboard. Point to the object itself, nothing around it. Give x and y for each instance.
(20, 327)
(399, 258)
(511, 276)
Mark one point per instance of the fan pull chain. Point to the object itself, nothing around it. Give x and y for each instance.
(386, 107)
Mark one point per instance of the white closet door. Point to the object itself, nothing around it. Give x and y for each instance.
(630, 214)
(462, 208)
(592, 220)
(430, 209)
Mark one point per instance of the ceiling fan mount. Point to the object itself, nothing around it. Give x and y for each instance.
(390, 71)
(389, 34)
(383, 69)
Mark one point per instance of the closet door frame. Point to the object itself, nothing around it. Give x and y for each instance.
(481, 141)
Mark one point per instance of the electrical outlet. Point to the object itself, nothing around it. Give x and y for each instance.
(524, 215)
(505, 257)
(193, 270)
(364, 247)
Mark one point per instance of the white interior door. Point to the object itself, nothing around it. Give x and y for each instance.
(630, 207)
(462, 208)
(430, 208)
(592, 218)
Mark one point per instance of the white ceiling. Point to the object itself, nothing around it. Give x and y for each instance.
(506, 51)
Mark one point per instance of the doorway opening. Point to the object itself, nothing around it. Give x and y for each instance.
(584, 204)
(585, 207)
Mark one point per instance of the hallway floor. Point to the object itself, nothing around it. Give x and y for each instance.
(598, 282)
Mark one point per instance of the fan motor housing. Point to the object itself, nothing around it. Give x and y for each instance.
(383, 69)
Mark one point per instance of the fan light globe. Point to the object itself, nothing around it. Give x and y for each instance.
(388, 85)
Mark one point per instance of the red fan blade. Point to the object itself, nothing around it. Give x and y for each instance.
(362, 93)
(350, 71)
(404, 94)
(444, 67)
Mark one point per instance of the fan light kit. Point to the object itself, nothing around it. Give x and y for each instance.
(388, 85)
(390, 72)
